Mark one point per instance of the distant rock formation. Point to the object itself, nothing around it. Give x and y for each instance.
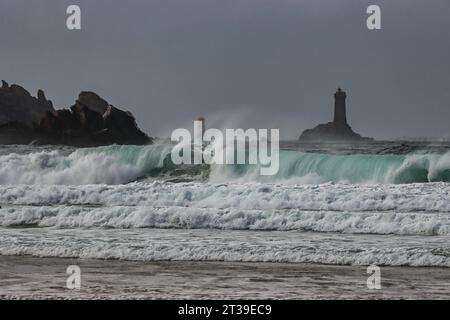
(17, 105)
(338, 130)
(91, 121)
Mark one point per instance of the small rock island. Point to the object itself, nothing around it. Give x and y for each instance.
(91, 121)
(338, 129)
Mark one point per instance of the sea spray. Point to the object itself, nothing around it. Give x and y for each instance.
(124, 164)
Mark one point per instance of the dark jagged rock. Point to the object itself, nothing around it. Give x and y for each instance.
(17, 105)
(59, 122)
(338, 130)
(16, 133)
(332, 131)
(122, 125)
(91, 121)
(93, 101)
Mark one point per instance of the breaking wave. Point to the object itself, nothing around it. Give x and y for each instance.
(124, 164)
(214, 245)
(122, 217)
(413, 209)
(133, 203)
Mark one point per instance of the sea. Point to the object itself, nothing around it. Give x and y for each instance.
(385, 203)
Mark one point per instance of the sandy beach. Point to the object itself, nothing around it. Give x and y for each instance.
(26, 277)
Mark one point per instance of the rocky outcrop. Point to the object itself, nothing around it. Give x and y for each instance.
(120, 124)
(17, 105)
(17, 133)
(338, 129)
(91, 121)
(332, 131)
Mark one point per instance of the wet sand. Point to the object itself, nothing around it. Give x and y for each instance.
(26, 277)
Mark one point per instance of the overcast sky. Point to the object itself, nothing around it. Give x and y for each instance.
(240, 63)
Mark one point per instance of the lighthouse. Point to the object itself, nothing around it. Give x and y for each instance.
(340, 116)
(338, 129)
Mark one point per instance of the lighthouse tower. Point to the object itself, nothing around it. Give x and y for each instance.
(340, 116)
(338, 129)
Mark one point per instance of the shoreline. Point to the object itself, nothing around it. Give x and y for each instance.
(28, 277)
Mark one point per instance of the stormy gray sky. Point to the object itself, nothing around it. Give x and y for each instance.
(240, 63)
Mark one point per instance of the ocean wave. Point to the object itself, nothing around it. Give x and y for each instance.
(382, 209)
(229, 219)
(300, 167)
(429, 197)
(218, 245)
(107, 165)
(124, 164)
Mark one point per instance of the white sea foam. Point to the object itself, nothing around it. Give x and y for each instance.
(205, 245)
(107, 165)
(422, 209)
(232, 219)
(123, 164)
(83, 192)
(428, 197)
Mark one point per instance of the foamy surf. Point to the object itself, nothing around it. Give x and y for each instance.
(121, 217)
(420, 197)
(221, 245)
(121, 202)
(124, 164)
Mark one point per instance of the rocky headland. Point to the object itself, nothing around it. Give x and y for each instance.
(91, 121)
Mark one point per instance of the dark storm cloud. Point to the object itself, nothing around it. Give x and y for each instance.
(252, 63)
